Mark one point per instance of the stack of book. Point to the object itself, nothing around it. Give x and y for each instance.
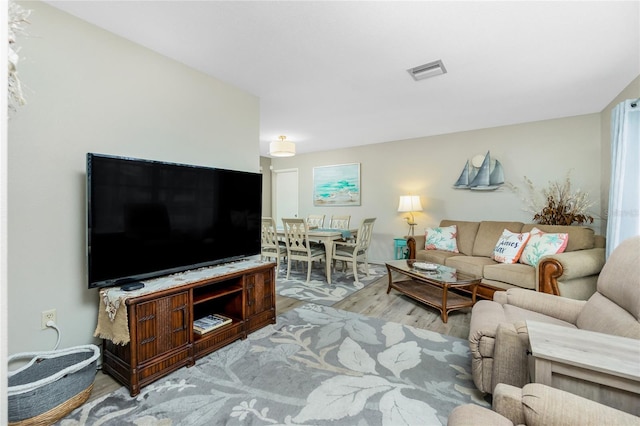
(210, 323)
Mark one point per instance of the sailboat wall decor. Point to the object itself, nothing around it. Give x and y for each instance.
(484, 179)
(467, 175)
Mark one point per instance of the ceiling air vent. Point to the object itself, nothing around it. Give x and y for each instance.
(427, 70)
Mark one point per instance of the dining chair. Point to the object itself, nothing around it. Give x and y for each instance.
(272, 247)
(340, 221)
(354, 251)
(299, 247)
(315, 220)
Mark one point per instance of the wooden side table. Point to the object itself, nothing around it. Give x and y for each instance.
(399, 248)
(597, 366)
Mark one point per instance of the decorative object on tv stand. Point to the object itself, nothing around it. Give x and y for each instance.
(410, 204)
(282, 148)
(481, 174)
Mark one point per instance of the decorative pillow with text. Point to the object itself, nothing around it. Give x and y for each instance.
(510, 246)
(441, 238)
(542, 244)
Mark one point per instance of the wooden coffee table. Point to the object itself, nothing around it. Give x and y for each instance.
(432, 287)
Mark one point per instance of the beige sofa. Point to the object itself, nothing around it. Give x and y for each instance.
(498, 337)
(538, 405)
(573, 273)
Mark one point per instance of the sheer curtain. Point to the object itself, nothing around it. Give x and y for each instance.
(624, 193)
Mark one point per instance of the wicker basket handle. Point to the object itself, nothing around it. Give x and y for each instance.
(35, 356)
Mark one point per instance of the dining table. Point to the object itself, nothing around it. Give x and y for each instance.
(326, 236)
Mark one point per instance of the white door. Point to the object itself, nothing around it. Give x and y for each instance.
(285, 194)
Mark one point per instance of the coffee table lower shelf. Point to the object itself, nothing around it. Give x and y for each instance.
(436, 297)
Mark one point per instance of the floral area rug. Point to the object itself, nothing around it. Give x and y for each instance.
(317, 290)
(316, 366)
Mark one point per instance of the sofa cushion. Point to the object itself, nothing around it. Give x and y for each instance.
(466, 234)
(489, 233)
(435, 256)
(580, 237)
(510, 246)
(542, 244)
(515, 274)
(473, 265)
(441, 238)
(497, 285)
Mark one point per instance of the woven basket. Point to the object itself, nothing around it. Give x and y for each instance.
(51, 384)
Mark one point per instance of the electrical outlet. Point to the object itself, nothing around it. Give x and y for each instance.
(49, 315)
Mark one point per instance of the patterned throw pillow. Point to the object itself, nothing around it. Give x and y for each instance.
(510, 246)
(542, 244)
(441, 238)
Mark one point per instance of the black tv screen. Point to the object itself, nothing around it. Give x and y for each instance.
(149, 218)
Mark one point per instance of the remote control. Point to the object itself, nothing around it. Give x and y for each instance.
(132, 286)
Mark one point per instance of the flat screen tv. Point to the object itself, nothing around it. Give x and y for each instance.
(150, 218)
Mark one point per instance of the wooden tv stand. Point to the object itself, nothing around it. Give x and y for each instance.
(161, 333)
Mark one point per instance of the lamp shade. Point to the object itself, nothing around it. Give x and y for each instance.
(409, 203)
(282, 148)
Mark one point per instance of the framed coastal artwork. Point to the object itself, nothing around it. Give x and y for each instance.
(337, 185)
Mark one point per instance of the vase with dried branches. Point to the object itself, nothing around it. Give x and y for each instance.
(557, 204)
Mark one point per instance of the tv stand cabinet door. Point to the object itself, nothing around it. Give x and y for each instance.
(160, 339)
(162, 325)
(261, 302)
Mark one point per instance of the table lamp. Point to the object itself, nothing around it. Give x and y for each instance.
(410, 204)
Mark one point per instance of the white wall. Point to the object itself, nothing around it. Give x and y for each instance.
(265, 168)
(543, 151)
(90, 91)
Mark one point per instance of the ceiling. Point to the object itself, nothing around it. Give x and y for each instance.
(333, 74)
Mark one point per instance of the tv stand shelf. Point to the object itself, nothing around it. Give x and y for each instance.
(201, 297)
(160, 322)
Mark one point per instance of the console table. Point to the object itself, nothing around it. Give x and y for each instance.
(160, 319)
(601, 367)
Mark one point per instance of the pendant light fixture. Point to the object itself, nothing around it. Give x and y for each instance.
(282, 148)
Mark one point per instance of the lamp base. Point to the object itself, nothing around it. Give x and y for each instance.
(411, 230)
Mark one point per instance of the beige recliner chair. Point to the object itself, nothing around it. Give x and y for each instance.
(498, 335)
(538, 405)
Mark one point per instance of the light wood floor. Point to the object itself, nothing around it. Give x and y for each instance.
(372, 301)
